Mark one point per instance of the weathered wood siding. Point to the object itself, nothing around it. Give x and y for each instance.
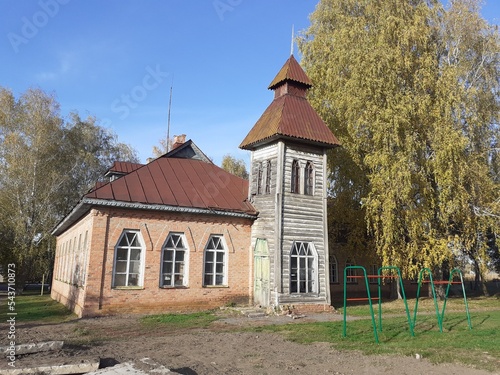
(304, 219)
(266, 204)
(285, 217)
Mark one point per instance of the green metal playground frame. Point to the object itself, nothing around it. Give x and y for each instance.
(411, 322)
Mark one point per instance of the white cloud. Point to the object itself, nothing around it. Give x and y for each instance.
(45, 76)
(65, 65)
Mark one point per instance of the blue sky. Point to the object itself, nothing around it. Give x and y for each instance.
(116, 60)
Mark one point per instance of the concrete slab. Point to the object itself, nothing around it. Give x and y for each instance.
(77, 368)
(32, 348)
(128, 368)
(119, 369)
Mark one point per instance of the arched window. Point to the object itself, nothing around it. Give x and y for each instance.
(303, 268)
(373, 270)
(268, 177)
(174, 261)
(309, 179)
(334, 275)
(295, 177)
(215, 262)
(350, 272)
(259, 179)
(128, 260)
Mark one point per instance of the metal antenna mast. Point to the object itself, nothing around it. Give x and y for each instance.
(168, 121)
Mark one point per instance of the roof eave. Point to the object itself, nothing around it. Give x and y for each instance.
(275, 137)
(86, 204)
(76, 213)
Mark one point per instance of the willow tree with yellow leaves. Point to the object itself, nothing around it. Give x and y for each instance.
(411, 89)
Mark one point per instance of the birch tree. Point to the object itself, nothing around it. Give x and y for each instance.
(46, 164)
(410, 88)
(235, 166)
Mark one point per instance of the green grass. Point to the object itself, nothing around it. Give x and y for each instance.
(36, 308)
(479, 347)
(180, 321)
(425, 305)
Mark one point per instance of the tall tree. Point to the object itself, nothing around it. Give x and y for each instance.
(235, 166)
(164, 146)
(45, 167)
(413, 98)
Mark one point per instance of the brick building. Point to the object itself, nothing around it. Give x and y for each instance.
(180, 233)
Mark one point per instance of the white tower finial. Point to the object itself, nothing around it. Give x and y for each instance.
(291, 46)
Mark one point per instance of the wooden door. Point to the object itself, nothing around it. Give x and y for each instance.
(261, 273)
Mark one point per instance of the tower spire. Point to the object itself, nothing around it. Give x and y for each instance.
(291, 45)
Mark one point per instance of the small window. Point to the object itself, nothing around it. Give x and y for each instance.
(373, 271)
(85, 257)
(128, 260)
(295, 177)
(174, 257)
(268, 177)
(215, 262)
(309, 179)
(303, 268)
(350, 272)
(259, 179)
(334, 276)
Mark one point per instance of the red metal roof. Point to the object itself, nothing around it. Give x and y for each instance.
(290, 115)
(291, 71)
(179, 182)
(123, 167)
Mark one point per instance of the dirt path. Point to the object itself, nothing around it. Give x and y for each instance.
(217, 350)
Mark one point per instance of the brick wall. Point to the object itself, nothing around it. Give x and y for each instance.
(107, 225)
(71, 265)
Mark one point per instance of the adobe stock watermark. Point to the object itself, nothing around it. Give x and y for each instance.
(11, 315)
(38, 20)
(151, 80)
(223, 6)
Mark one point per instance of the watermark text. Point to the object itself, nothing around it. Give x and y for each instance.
(11, 314)
(38, 20)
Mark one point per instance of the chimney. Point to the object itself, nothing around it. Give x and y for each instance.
(179, 140)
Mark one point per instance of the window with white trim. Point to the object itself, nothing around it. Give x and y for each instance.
(174, 261)
(303, 268)
(350, 272)
(127, 270)
(215, 262)
(85, 257)
(334, 276)
(373, 270)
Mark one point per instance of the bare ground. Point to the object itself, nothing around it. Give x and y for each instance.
(219, 349)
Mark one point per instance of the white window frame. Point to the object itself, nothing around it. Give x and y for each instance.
(305, 271)
(350, 272)
(334, 270)
(85, 257)
(208, 259)
(142, 248)
(175, 249)
(373, 271)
